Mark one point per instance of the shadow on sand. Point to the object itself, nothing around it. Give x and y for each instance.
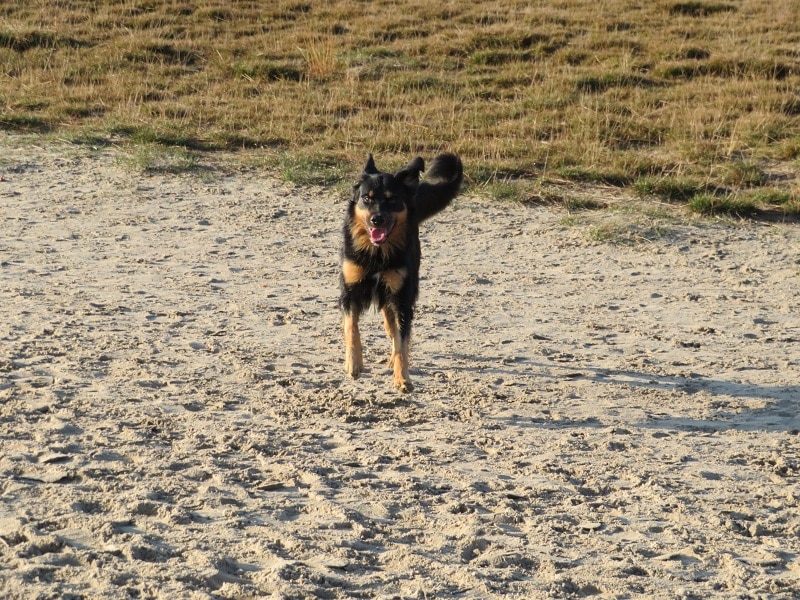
(780, 413)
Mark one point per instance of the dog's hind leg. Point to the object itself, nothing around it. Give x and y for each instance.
(353, 355)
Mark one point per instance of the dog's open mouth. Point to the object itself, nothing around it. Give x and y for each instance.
(378, 235)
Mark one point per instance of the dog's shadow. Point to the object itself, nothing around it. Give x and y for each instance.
(780, 413)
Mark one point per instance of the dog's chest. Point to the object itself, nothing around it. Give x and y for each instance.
(389, 281)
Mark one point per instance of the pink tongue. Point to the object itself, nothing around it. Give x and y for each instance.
(377, 235)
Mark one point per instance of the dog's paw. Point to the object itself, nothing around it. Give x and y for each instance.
(353, 367)
(404, 386)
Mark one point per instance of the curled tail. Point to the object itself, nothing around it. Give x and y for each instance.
(443, 182)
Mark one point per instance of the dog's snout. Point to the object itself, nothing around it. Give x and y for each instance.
(377, 219)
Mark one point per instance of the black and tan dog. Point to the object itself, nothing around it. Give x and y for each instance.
(381, 252)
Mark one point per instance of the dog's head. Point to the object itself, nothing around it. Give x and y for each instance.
(380, 200)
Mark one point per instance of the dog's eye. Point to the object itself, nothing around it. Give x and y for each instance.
(366, 199)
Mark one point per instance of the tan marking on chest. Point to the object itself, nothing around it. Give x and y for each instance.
(393, 279)
(352, 273)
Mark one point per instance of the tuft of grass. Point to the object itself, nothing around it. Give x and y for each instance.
(321, 60)
(743, 174)
(156, 158)
(785, 201)
(700, 9)
(594, 84)
(669, 188)
(581, 174)
(310, 169)
(610, 233)
(577, 203)
(25, 123)
(773, 197)
(507, 191)
(734, 206)
(626, 232)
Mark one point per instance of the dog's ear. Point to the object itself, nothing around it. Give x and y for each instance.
(370, 168)
(356, 192)
(409, 175)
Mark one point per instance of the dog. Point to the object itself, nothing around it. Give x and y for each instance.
(381, 252)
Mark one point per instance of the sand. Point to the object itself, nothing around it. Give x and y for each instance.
(592, 418)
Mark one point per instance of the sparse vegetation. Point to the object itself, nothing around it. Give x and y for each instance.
(615, 92)
(707, 204)
(508, 191)
(155, 158)
(669, 189)
(781, 200)
(626, 232)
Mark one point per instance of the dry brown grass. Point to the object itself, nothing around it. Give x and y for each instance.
(610, 91)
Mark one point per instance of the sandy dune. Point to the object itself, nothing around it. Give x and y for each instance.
(590, 418)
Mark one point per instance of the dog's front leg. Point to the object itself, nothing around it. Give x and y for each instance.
(402, 380)
(393, 331)
(401, 343)
(353, 354)
(398, 360)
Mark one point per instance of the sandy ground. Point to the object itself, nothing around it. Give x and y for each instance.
(590, 418)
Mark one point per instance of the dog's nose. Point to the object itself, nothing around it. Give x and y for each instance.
(377, 219)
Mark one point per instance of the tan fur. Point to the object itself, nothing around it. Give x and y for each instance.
(399, 359)
(360, 233)
(352, 272)
(392, 328)
(353, 353)
(402, 379)
(393, 279)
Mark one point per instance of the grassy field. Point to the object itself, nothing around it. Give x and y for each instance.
(690, 102)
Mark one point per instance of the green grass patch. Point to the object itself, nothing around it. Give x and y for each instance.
(507, 191)
(743, 174)
(734, 206)
(577, 203)
(626, 232)
(773, 197)
(669, 189)
(311, 169)
(587, 175)
(26, 123)
(785, 201)
(156, 158)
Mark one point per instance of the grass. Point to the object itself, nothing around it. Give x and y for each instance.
(707, 204)
(155, 158)
(627, 232)
(677, 99)
(305, 168)
(670, 189)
